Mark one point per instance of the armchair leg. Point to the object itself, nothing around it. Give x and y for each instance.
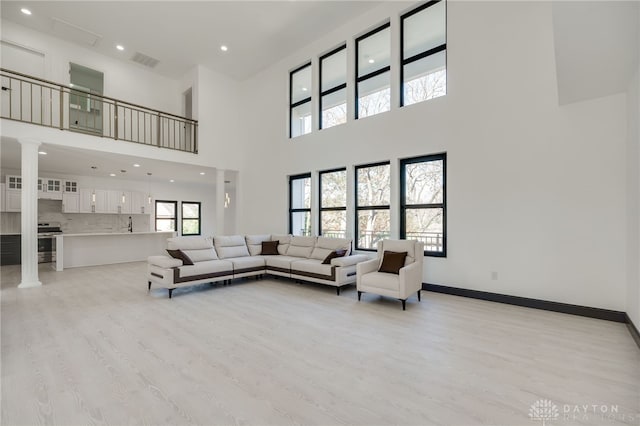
(418, 295)
(359, 294)
(337, 291)
(149, 285)
(404, 304)
(170, 292)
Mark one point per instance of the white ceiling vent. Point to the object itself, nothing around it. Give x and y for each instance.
(145, 60)
(74, 33)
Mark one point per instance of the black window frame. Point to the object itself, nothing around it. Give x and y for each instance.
(332, 89)
(182, 218)
(405, 61)
(175, 218)
(298, 103)
(378, 207)
(297, 210)
(403, 204)
(373, 73)
(329, 209)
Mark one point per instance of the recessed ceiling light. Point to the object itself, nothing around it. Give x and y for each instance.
(119, 47)
(112, 174)
(304, 89)
(25, 11)
(171, 180)
(371, 61)
(202, 173)
(42, 153)
(224, 48)
(136, 165)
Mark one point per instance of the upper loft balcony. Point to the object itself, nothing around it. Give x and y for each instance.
(41, 102)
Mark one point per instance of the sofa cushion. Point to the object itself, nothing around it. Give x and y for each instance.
(392, 262)
(381, 280)
(246, 263)
(231, 246)
(311, 267)
(334, 243)
(283, 242)
(189, 243)
(280, 262)
(301, 246)
(270, 248)
(180, 255)
(201, 255)
(333, 255)
(254, 243)
(164, 261)
(208, 267)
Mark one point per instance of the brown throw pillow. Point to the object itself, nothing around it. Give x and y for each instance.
(179, 254)
(392, 262)
(333, 255)
(270, 247)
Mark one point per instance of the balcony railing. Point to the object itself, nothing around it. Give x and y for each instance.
(433, 241)
(44, 103)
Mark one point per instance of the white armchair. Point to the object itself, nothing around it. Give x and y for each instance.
(400, 286)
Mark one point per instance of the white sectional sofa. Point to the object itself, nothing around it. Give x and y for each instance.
(227, 257)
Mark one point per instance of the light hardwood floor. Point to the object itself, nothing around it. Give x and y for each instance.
(91, 346)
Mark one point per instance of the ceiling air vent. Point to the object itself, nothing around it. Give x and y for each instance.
(145, 60)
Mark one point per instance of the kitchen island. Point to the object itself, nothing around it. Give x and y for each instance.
(105, 248)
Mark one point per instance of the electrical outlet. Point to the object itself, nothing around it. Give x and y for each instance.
(494, 275)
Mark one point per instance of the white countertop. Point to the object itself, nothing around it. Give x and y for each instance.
(97, 234)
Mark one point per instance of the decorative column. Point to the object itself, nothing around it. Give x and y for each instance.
(220, 193)
(29, 213)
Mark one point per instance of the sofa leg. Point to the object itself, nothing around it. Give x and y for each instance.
(149, 285)
(418, 295)
(359, 294)
(404, 304)
(338, 291)
(171, 292)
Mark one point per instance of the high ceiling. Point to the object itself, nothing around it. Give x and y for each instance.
(181, 34)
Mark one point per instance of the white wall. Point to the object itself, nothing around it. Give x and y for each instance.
(633, 203)
(159, 191)
(535, 191)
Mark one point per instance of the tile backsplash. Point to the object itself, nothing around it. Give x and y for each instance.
(77, 223)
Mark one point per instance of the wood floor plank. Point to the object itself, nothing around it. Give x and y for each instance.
(93, 346)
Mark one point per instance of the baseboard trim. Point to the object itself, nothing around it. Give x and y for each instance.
(565, 308)
(633, 330)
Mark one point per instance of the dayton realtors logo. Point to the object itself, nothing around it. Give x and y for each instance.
(544, 410)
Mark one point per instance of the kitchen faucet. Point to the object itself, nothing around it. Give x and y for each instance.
(130, 225)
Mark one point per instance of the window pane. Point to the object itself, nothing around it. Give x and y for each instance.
(333, 224)
(425, 225)
(190, 226)
(425, 30)
(425, 79)
(301, 193)
(374, 95)
(165, 224)
(374, 52)
(424, 182)
(334, 70)
(301, 120)
(301, 84)
(333, 187)
(301, 223)
(190, 211)
(373, 186)
(373, 226)
(166, 210)
(334, 109)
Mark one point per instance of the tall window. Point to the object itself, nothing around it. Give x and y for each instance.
(300, 204)
(423, 202)
(424, 53)
(166, 219)
(333, 88)
(190, 218)
(373, 72)
(300, 101)
(373, 222)
(333, 203)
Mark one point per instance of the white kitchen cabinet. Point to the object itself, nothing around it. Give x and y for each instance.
(50, 188)
(113, 201)
(2, 197)
(140, 203)
(85, 204)
(101, 204)
(125, 203)
(13, 200)
(70, 202)
(14, 182)
(70, 186)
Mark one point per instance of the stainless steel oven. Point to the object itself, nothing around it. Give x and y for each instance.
(47, 241)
